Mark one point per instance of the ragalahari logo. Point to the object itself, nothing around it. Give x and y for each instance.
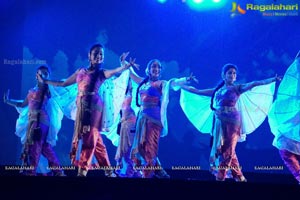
(237, 8)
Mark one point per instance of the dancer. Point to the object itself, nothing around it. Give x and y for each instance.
(91, 115)
(126, 132)
(152, 97)
(38, 124)
(284, 119)
(230, 111)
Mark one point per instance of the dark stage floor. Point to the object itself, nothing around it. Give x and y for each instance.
(195, 184)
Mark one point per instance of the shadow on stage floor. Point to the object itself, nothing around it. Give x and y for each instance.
(195, 184)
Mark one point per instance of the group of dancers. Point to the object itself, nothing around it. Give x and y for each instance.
(99, 100)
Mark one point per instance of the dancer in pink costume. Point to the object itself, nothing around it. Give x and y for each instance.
(230, 110)
(38, 124)
(91, 115)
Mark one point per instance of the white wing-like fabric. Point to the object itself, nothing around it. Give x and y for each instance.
(119, 89)
(197, 110)
(22, 123)
(55, 115)
(175, 84)
(106, 94)
(133, 102)
(284, 117)
(112, 91)
(253, 105)
(118, 86)
(65, 97)
(164, 106)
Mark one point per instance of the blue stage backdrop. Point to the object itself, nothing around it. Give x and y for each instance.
(59, 34)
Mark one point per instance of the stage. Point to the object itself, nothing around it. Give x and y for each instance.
(182, 184)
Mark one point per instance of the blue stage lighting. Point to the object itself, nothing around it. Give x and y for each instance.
(162, 1)
(202, 5)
